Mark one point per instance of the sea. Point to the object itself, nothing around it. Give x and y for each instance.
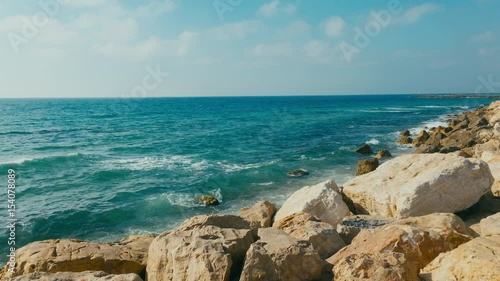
(103, 169)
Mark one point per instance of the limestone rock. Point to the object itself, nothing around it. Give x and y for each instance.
(366, 166)
(207, 200)
(419, 239)
(352, 225)
(279, 256)
(365, 149)
(260, 214)
(202, 248)
(385, 266)
(77, 276)
(126, 256)
(322, 236)
(478, 259)
(420, 184)
(383, 154)
(490, 226)
(405, 140)
(421, 139)
(323, 201)
(493, 160)
(405, 133)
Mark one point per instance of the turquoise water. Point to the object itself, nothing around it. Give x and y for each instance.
(101, 169)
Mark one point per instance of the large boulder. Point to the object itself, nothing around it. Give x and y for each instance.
(366, 166)
(127, 256)
(77, 276)
(322, 236)
(493, 160)
(478, 259)
(405, 140)
(420, 184)
(351, 226)
(384, 266)
(323, 201)
(421, 138)
(420, 239)
(202, 248)
(383, 153)
(279, 256)
(459, 138)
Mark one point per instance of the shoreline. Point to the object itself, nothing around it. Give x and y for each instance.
(258, 212)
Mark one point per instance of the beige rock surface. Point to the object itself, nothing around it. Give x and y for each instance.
(260, 214)
(279, 256)
(420, 239)
(385, 266)
(322, 236)
(126, 256)
(323, 201)
(493, 159)
(490, 226)
(478, 259)
(352, 225)
(202, 248)
(420, 184)
(77, 276)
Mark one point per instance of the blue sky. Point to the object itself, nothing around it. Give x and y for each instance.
(119, 48)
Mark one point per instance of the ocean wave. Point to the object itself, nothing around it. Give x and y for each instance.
(153, 163)
(373, 142)
(187, 200)
(232, 167)
(48, 158)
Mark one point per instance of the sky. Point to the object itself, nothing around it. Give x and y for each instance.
(152, 48)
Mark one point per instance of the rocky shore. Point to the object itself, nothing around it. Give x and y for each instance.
(431, 215)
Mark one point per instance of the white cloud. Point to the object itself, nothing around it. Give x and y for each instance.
(484, 37)
(415, 13)
(237, 30)
(152, 47)
(156, 7)
(269, 9)
(274, 7)
(86, 3)
(316, 48)
(294, 29)
(12, 24)
(334, 26)
(273, 50)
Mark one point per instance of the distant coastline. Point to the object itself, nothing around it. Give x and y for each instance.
(458, 96)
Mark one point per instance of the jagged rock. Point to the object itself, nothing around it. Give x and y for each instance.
(260, 214)
(322, 236)
(366, 166)
(405, 140)
(77, 276)
(405, 133)
(365, 149)
(460, 138)
(420, 184)
(298, 173)
(449, 149)
(207, 200)
(435, 139)
(279, 256)
(383, 154)
(420, 239)
(351, 226)
(479, 122)
(126, 256)
(385, 266)
(323, 201)
(421, 139)
(462, 153)
(478, 259)
(202, 248)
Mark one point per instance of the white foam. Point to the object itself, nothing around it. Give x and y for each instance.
(233, 167)
(373, 142)
(172, 163)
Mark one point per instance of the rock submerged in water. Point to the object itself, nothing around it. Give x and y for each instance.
(207, 200)
(366, 166)
(298, 173)
(405, 133)
(365, 149)
(405, 140)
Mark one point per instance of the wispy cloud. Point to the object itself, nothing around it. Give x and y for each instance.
(273, 50)
(415, 13)
(485, 37)
(274, 7)
(334, 26)
(235, 30)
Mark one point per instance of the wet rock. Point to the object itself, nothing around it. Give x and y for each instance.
(421, 139)
(405, 133)
(365, 149)
(207, 200)
(298, 173)
(366, 166)
(405, 140)
(383, 154)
